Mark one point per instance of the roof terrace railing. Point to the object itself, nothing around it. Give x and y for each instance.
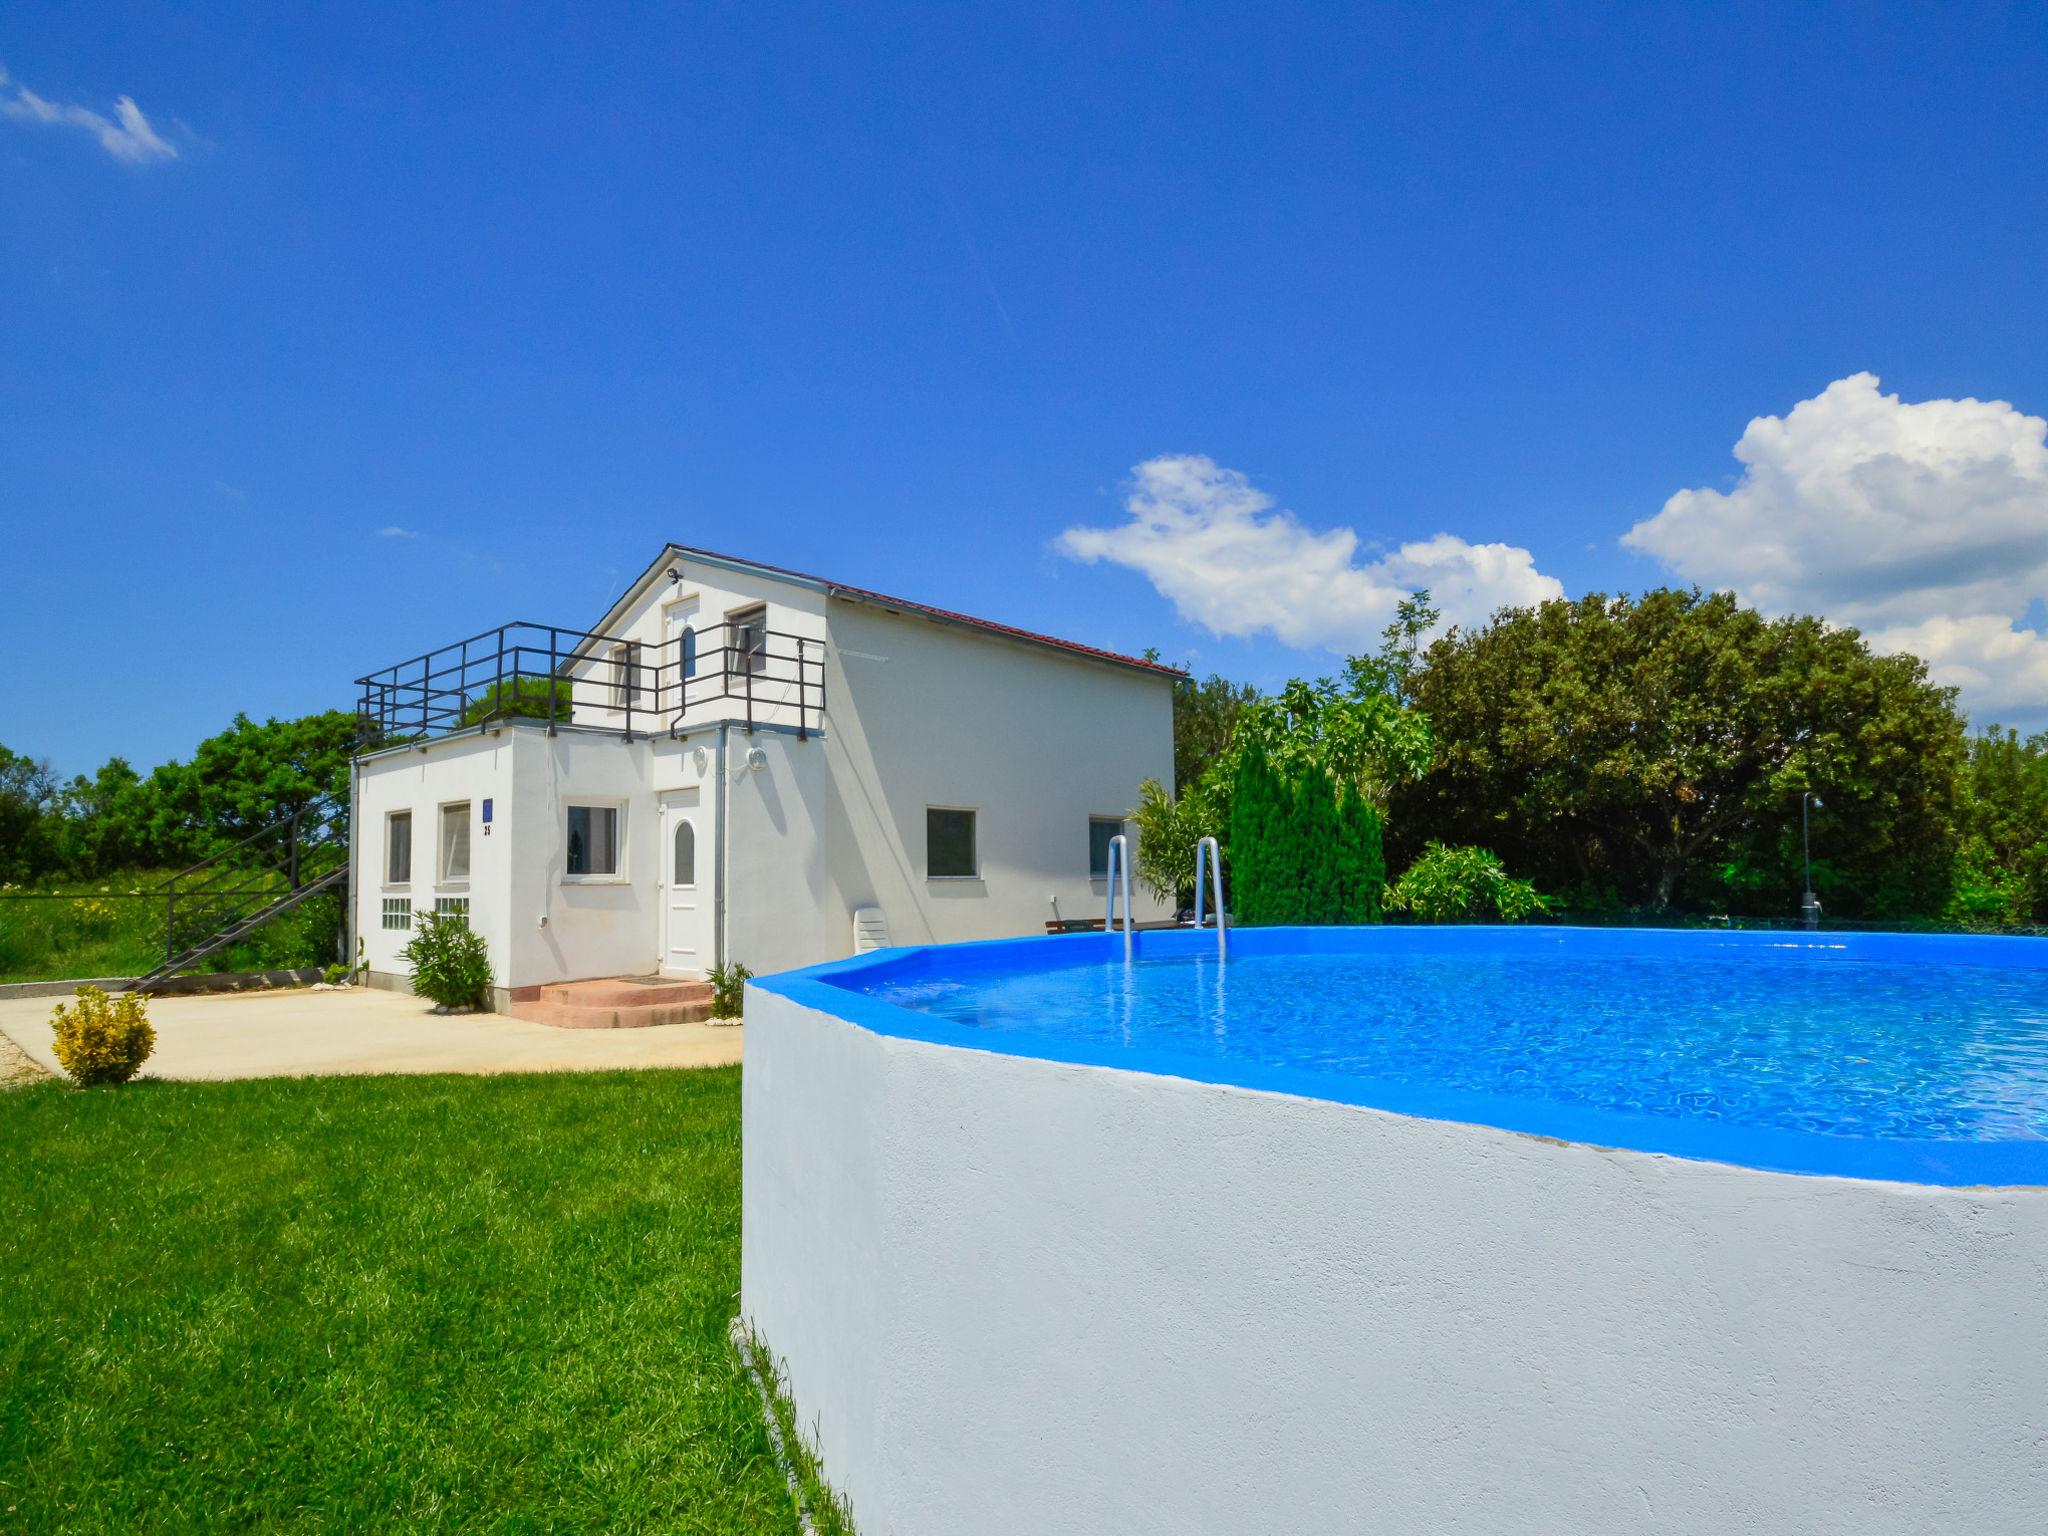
(595, 681)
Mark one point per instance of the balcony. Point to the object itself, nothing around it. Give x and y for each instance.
(752, 676)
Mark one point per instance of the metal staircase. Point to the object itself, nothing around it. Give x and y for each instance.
(223, 899)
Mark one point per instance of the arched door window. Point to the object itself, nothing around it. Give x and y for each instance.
(686, 853)
(690, 652)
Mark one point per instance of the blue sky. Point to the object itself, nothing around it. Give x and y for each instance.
(1260, 300)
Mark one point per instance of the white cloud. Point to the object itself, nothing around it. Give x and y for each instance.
(1924, 525)
(396, 532)
(126, 136)
(1214, 545)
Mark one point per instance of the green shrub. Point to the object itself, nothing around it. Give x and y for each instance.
(522, 697)
(728, 989)
(102, 1039)
(450, 964)
(1302, 850)
(1361, 860)
(304, 937)
(1461, 885)
(1258, 817)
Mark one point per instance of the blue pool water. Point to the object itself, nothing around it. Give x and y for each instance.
(1743, 1045)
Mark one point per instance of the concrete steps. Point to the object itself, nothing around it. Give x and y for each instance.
(615, 1002)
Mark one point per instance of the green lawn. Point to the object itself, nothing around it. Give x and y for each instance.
(429, 1304)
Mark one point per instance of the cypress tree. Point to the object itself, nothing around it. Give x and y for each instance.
(1256, 830)
(1315, 872)
(1363, 859)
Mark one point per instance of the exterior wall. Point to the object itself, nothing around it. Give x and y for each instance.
(793, 609)
(471, 768)
(778, 912)
(594, 925)
(1019, 1295)
(927, 714)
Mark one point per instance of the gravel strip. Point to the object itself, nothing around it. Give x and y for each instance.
(15, 1066)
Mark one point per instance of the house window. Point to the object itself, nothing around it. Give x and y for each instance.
(749, 629)
(398, 913)
(1102, 830)
(593, 840)
(686, 853)
(455, 841)
(398, 849)
(688, 641)
(629, 677)
(454, 909)
(949, 844)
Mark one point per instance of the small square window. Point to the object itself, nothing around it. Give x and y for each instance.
(949, 844)
(398, 913)
(1102, 830)
(455, 841)
(453, 908)
(593, 840)
(398, 848)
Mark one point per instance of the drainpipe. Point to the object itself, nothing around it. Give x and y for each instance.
(718, 941)
(348, 905)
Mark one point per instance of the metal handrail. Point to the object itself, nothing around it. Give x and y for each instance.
(216, 891)
(477, 680)
(1206, 852)
(1119, 872)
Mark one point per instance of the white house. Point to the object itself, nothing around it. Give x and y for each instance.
(740, 763)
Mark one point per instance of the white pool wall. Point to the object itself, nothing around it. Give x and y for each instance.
(1021, 1296)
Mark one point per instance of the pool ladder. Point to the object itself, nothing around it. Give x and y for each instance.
(1206, 852)
(1119, 873)
(1208, 860)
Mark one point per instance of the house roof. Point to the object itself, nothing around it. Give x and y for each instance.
(873, 599)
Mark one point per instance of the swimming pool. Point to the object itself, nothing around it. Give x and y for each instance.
(1501, 1231)
(1920, 1057)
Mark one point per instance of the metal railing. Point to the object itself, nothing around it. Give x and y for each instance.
(572, 676)
(233, 890)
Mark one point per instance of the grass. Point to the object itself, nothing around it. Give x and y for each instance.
(430, 1304)
(95, 928)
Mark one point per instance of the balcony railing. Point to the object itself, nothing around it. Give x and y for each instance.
(751, 675)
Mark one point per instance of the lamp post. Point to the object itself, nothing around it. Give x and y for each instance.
(1809, 904)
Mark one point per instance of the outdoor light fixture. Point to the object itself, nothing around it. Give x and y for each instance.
(1809, 904)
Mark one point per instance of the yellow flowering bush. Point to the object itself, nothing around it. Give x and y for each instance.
(103, 1039)
(93, 913)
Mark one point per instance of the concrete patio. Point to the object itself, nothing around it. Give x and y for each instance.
(301, 1033)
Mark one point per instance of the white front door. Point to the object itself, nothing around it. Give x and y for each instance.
(686, 883)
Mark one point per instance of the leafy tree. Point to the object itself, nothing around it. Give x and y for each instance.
(245, 778)
(1356, 730)
(28, 830)
(1401, 645)
(1461, 885)
(102, 821)
(1205, 717)
(1654, 749)
(1168, 829)
(1204, 720)
(2002, 870)
(1353, 734)
(522, 697)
